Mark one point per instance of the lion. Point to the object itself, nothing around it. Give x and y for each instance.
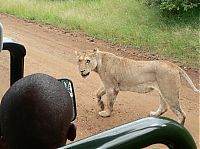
(123, 74)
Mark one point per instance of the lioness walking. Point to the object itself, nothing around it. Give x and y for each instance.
(122, 74)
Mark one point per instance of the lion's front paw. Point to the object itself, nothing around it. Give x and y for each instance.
(104, 113)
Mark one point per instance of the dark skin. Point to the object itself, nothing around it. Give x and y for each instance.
(36, 112)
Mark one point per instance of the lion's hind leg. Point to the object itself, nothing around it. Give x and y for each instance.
(171, 96)
(176, 109)
(162, 108)
(101, 91)
(168, 82)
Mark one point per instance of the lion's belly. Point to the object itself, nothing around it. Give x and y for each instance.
(129, 76)
(139, 88)
(138, 83)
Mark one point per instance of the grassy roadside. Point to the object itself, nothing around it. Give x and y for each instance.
(129, 23)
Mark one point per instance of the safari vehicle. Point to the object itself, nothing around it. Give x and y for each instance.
(134, 135)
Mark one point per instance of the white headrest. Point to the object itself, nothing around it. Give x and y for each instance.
(1, 37)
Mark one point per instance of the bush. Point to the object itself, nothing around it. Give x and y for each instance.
(174, 5)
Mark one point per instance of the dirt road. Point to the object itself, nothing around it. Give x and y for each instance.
(51, 51)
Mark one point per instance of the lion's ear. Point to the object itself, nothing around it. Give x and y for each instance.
(96, 50)
(77, 54)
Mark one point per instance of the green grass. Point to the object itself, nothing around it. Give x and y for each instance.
(124, 22)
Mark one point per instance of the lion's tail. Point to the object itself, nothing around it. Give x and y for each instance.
(187, 78)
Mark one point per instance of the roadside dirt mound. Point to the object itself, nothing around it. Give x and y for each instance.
(51, 51)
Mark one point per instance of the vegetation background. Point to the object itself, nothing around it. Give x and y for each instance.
(168, 29)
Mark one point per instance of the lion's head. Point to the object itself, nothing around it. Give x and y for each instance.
(87, 61)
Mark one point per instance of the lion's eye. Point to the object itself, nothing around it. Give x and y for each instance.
(87, 61)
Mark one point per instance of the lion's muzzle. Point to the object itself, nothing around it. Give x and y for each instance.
(84, 75)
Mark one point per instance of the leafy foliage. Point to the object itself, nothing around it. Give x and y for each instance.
(174, 5)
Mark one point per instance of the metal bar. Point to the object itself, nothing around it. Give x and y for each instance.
(17, 54)
(139, 134)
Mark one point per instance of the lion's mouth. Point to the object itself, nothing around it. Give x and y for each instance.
(85, 75)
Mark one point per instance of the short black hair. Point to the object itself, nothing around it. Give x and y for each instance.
(35, 113)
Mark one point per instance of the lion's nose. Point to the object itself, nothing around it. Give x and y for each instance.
(82, 71)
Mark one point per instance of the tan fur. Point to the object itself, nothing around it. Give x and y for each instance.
(122, 74)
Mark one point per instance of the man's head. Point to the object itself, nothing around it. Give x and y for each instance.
(35, 113)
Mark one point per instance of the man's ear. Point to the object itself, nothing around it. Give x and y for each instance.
(3, 144)
(71, 135)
